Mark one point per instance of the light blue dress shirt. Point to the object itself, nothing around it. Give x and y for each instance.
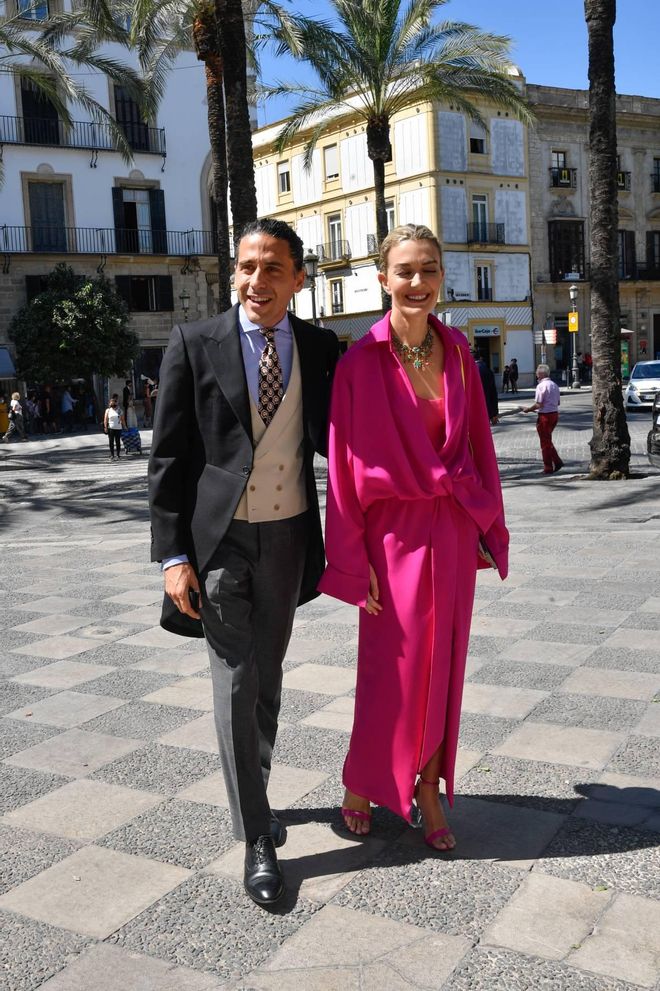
(253, 343)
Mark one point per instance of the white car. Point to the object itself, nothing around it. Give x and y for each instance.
(643, 385)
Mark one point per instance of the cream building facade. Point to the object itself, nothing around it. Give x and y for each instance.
(559, 183)
(470, 185)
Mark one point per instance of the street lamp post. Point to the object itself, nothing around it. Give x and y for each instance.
(311, 263)
(185, 303)
(575, 384)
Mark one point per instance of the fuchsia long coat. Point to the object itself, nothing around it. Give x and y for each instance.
(416, 514)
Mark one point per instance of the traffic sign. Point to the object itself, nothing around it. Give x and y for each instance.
(573, 322)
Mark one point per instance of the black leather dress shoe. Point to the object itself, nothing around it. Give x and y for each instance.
(277, 831)
(263, 879)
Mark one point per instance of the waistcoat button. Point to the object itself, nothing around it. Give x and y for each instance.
(246, 469)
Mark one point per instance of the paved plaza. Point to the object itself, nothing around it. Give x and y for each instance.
(119, 872)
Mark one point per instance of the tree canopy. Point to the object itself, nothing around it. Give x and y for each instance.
(74, 327)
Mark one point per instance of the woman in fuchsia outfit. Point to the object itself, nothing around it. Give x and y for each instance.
(414, 509)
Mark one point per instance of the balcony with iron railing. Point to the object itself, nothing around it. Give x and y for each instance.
(623, 181)
(333, 253)
(88, 135)
(563, 178)
(104, 241)
(580, 273)
(479, 233)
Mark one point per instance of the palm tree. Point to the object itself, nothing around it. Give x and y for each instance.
(610, 444)
(379, 58)
(161, 29)
(49, 53)
(230, 17)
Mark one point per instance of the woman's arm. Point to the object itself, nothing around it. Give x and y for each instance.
(347, 574)
(483, 454)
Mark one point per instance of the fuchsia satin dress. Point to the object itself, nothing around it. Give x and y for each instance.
(409, 492)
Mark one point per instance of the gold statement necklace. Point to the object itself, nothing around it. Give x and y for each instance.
(418, 356)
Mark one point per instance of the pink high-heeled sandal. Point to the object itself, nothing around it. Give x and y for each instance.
(437, 834)
(355, 814)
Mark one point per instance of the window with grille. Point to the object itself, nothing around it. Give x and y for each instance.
(146, 293)
(337, 295)
(566, 238)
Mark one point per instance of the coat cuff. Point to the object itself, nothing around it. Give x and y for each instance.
(349, 588)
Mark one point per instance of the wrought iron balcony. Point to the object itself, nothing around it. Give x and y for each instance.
(655, 182)
(563, 178)
(333, 253)
(623, 180)
(104, 241)
(581, 274)
(81, 134)
(643, 272)
(485, 233)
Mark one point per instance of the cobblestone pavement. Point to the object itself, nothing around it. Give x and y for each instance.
(118, 869)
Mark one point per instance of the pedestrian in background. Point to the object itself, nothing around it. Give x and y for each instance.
(47, 410)
(127, 395)
(490, 390)
(153, 395)
(113, 422)
(506, 384)
(546, 404)
(513, 374)
(16, 424)
(146, 402)
(67, 406)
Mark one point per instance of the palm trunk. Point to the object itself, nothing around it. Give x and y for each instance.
(379, 150)
(229, 14)
(205, 37)
(610, 444)
(219, 184)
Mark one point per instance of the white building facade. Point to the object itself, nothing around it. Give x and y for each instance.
(68, 196)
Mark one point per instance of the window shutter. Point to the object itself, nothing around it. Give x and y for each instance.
(630, 253)
(123, 283)
(158, 222)
(164, 292)
(121, 234)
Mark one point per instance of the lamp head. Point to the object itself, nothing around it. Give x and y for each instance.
(185, 300)
(311, 264)
(573, 293)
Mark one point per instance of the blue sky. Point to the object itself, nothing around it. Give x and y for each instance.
(549, 42)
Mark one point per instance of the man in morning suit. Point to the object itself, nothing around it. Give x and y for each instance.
(242, 409)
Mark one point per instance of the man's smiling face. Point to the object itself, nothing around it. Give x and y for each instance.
(266, 278)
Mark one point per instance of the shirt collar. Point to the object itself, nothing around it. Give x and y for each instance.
(247, 325)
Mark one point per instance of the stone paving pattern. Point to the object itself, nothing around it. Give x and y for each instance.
(119, 872)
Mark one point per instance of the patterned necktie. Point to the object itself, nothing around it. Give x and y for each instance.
(270, 377)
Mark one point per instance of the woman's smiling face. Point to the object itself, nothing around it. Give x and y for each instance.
(414, 276)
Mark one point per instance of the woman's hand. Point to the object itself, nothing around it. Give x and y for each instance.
(373, 606)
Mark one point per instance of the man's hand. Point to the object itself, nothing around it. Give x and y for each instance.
(494, 420)
(179, 579)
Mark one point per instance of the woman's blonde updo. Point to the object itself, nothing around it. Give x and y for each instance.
(406, 232)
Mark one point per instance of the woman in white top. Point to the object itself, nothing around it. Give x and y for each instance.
(16, 425)
(113, 423)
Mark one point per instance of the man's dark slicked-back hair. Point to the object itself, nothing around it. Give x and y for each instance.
(280, 230)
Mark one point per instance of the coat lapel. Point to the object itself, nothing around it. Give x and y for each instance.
(223, 349)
